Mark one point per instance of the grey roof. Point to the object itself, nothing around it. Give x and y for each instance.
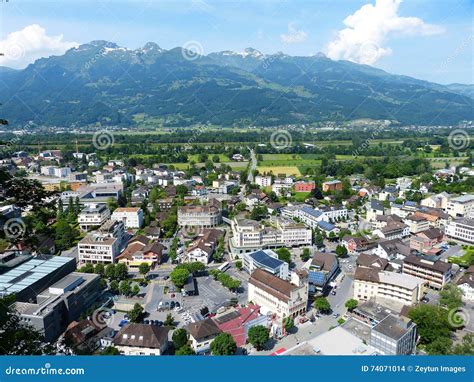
(393, 326)
(376, 205)
(28, 273)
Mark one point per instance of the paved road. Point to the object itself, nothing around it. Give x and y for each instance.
(253, 166)
(153, 297)
(343, 293)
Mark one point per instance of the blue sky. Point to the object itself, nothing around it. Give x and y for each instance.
(426, 39)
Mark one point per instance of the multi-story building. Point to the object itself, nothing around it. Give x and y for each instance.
(202, 334)
(437, 201)
(461, 229)
(266, 260)
(282, 186)
(322, 268)
(372, 283)
(436, 272)
(425, 241)
(93, 216)
(103, 245)
(141, 250)
(394, 336)
(281, 297)
(374, 208)
(200, 216)
(303, 186)
(132, 217)
(141, 339)
(332, 185)
(34, 274)
(250, 235)
(466, 284)
(52, 309)
(263, 180)
(204, 246)
(92, 194)
(311, 217)
(461, 207)
(393, 230)
(416, 223)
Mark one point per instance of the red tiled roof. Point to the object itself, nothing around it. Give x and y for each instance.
(235, 326)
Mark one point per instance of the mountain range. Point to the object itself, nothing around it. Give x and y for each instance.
(103, 83)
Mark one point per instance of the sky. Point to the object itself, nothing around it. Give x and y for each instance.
(426, 39)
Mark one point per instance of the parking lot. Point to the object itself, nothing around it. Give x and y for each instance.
(211, 295)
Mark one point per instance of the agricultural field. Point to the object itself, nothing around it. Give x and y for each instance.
(287, 170)
(290, 164)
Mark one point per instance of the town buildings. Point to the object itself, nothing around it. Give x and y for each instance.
(461, 229)
(461, 207)
(204, 246)
(322, 268)
(93, 216)
(372, 283)
(266, 260)
(250, 235)
(280, 297)
(103, 245)
(141, 250)
(141, 339)
(202, 216)
(332, 185)
(436, 272)
(202, 334)
(132, 217)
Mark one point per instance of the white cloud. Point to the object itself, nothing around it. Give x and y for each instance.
(294, 35)
(368, 29)
(23, 47)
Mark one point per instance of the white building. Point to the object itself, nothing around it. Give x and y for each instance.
(132, 217)
(461, 229)
(461, 207)
(249, 235)
(263, 180)
(93, 216)
(58, 172)
(141, 339)
(267, 260)
(372, 283)
(466, 284)
(311, 217)
(280, 297)
(437, 201)
(103, 245)
(200, 216)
